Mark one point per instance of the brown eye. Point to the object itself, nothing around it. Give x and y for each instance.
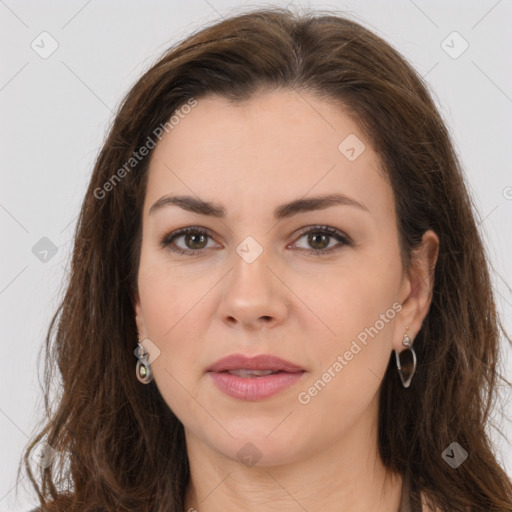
(194, 240)
(319, 238)
(318, 241)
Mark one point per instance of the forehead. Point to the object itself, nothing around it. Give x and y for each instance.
(275, 146)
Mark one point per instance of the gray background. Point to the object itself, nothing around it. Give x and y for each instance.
(55, 112)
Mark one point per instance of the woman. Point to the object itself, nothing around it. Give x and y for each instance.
(278, 228)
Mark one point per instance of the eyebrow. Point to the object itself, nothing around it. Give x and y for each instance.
(196, 205)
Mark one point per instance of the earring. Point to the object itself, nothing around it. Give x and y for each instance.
(143, 369)
(406, 361)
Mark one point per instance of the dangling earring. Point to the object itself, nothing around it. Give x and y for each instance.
(143, 369)
(406, 361)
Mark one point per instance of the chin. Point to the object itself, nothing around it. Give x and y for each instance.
(258, 443)
(262, 452)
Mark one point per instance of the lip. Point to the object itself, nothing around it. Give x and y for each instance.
(254, 388)
(260, 362)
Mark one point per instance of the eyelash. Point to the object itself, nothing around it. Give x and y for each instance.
(324, 230)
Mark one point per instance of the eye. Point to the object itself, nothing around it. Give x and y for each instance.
(319, 237)
(196, 239)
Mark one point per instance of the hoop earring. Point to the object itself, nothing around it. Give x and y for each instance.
(406, 361)
(143, 369)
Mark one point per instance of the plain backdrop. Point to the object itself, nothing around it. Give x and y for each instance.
(56, 109)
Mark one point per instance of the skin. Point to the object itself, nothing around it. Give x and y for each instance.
(252, 157)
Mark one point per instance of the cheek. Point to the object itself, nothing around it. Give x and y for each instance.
(176, 308)
(168, 314)
(166, 309)
(169, 295)
(349, 370)
(357, 300)
(361, 311)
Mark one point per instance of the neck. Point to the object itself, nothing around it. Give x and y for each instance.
(346, 475)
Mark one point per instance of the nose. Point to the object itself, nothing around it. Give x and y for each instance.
(253, 296)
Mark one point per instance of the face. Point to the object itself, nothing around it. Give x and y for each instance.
(320, 288)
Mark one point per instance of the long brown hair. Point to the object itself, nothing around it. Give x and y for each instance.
(119, 446)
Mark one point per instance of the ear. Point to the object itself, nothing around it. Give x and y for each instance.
(416, 290)
(139, 317)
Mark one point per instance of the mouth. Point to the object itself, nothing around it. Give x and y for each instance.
(254, 378)
(248, 374)
(255, 366)
(243, 385)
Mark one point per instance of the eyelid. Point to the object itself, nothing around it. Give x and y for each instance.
(325, 229)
